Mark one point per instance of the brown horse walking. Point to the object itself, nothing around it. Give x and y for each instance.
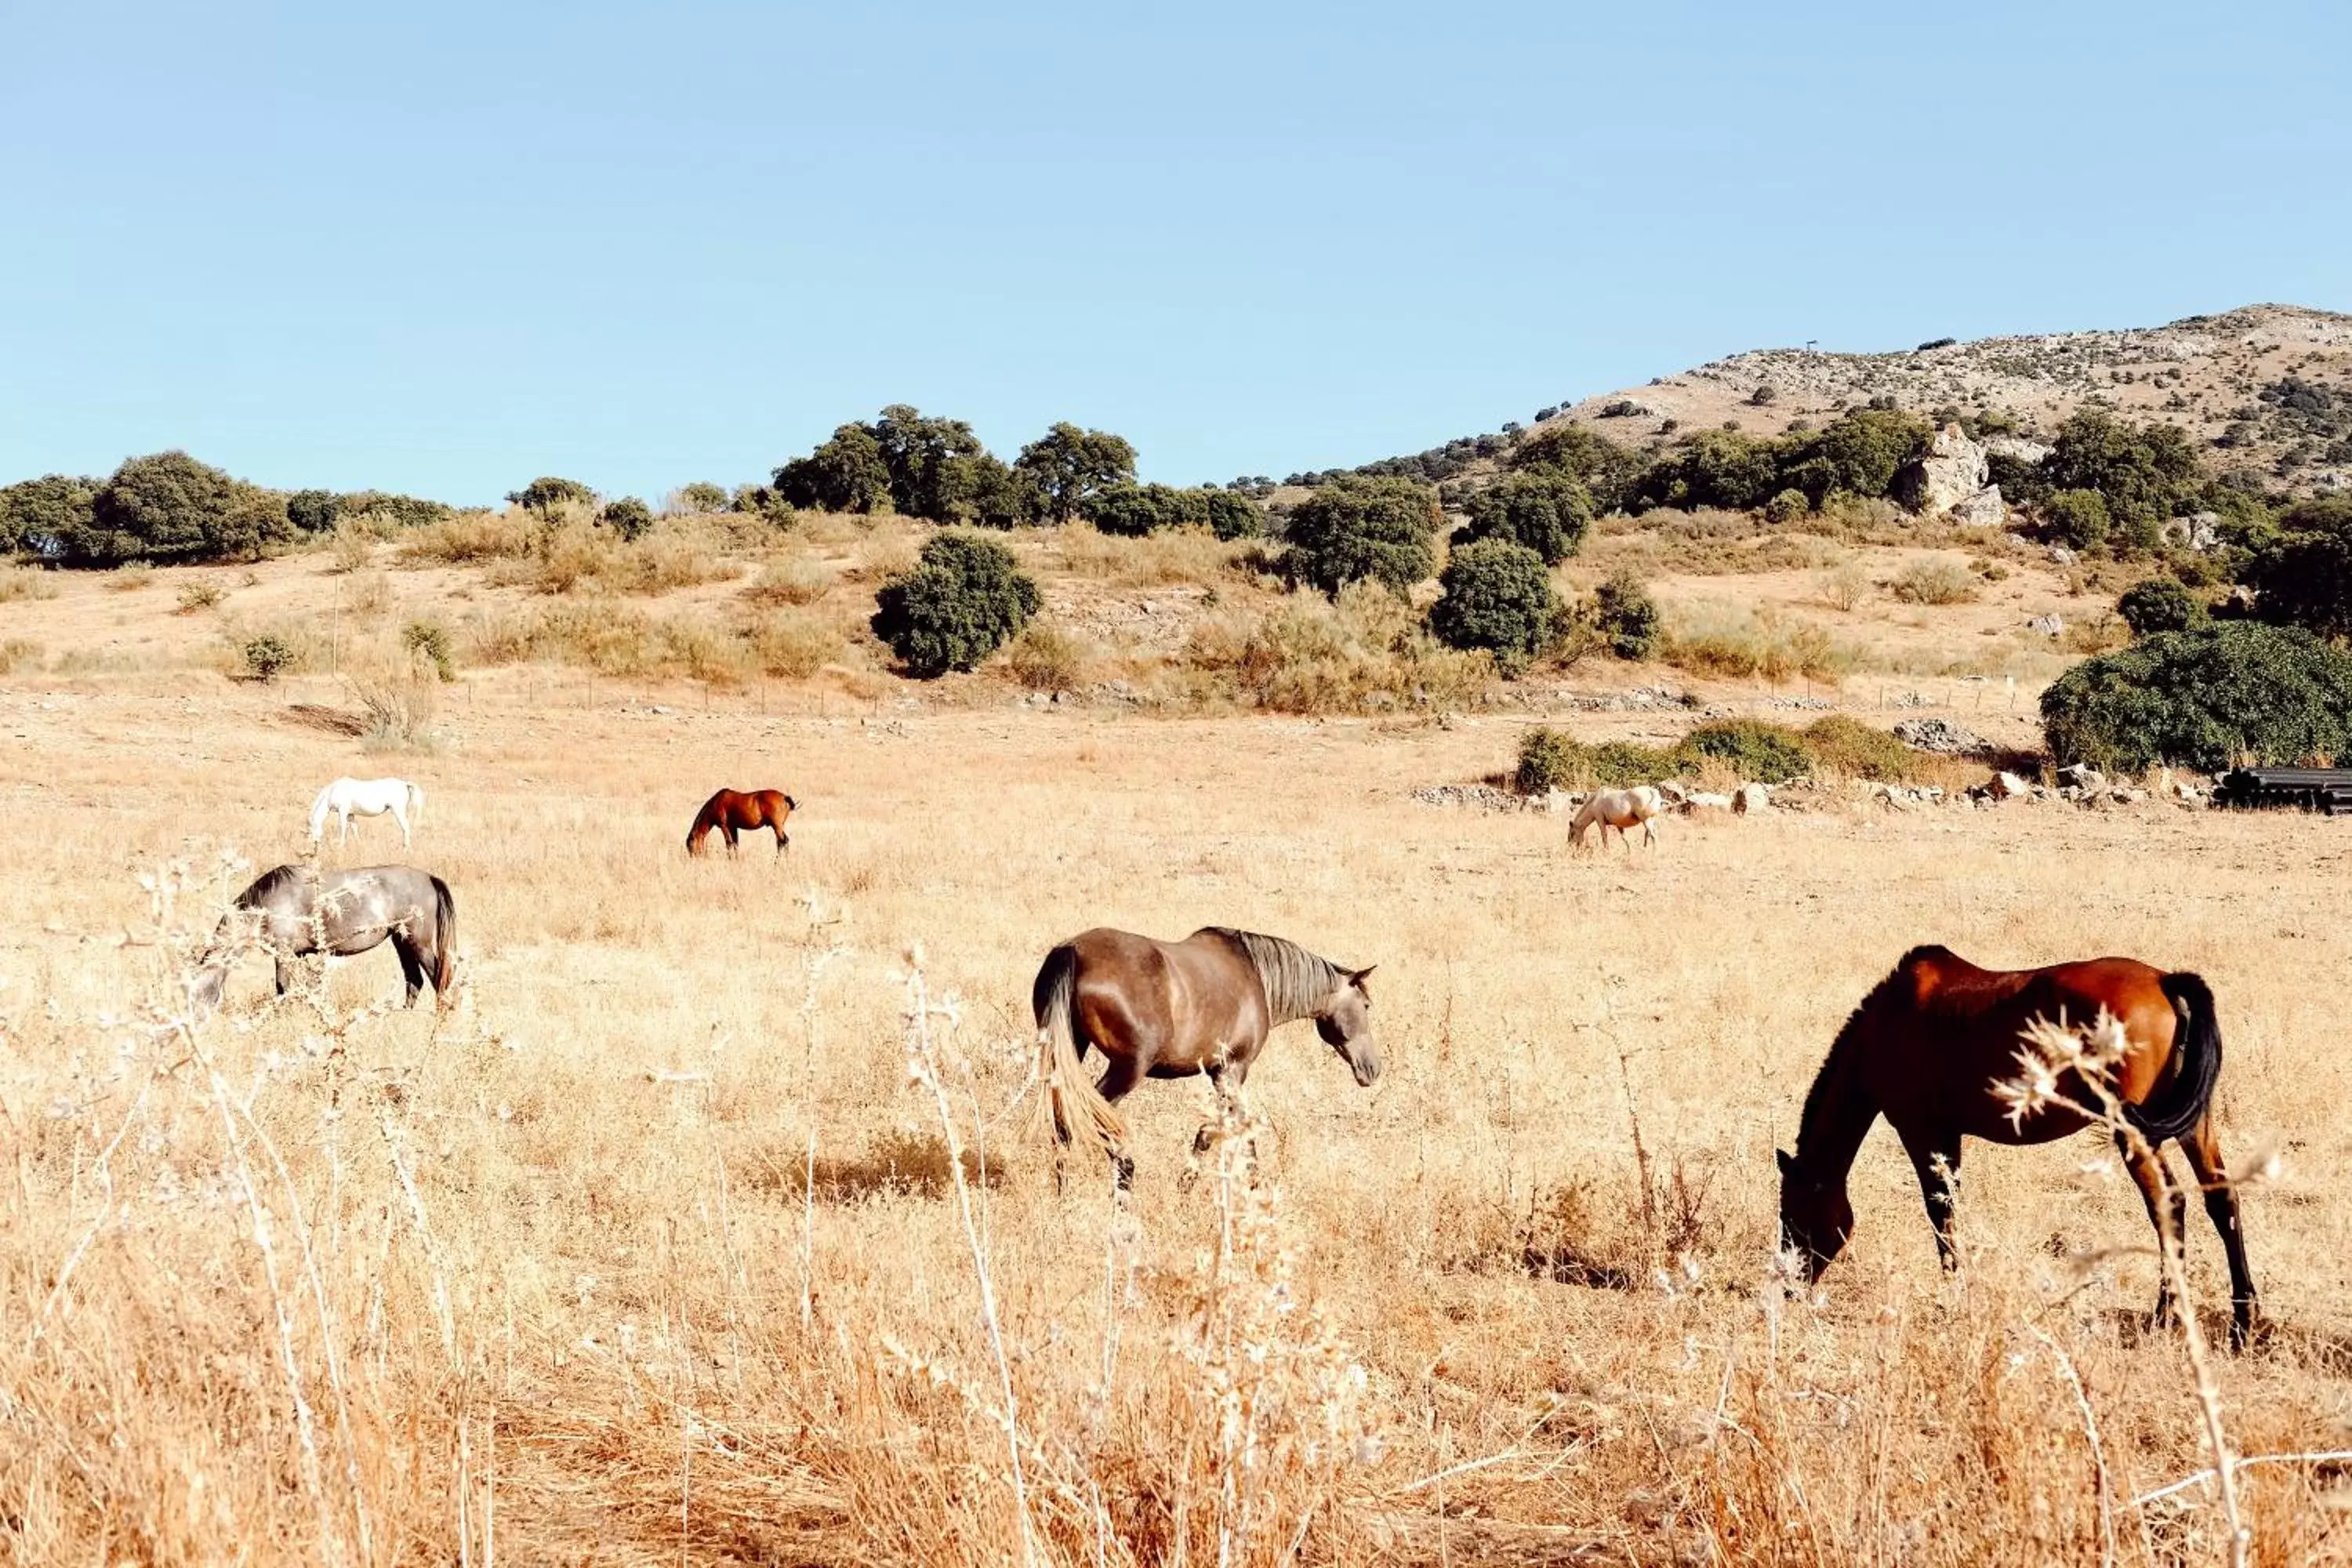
(1926, 1049)
(741, 810)
(1170, 1009)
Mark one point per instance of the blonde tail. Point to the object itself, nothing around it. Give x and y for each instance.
(1077, 1103)
(415, 806)
(318, 813)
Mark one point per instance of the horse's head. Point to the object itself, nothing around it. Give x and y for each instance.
(1346, 1025)
(1816, 1215)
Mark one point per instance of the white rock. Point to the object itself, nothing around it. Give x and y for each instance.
(1750, 797)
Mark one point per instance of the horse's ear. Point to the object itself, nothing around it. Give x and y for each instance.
(1788, 1161)
(1357, 979)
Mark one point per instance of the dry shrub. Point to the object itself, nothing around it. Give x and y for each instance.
(798, 581)
(615, 639)
(20, 654)
(200, 594)
(2102, 633)
(1314, 655)
(1933, 580)
(398, 697)
(350, 549)
(26, 583)
(471, 538)
(1045, 658)
(371, 596)
(792, 645)
(1844, 586)
(1743, 644)
(1705, 543)
(1171, 556)
(131, 578)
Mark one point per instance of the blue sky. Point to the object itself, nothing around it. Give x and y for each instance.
(445, 247)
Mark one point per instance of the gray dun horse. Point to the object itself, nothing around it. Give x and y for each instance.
(1170, 1009)
(294, 912)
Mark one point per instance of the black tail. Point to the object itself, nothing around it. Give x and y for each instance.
(445, 957)
(2175, 1110)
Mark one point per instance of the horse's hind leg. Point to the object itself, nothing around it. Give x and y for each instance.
(412, 967)
(782, 842)
(1936, 1159)
(2164, 1203)
(2203, 1147)
(1115, 1084)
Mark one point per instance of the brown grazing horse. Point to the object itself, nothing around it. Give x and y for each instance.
(1170, 1009)
(1926, 1049)
(741, 810)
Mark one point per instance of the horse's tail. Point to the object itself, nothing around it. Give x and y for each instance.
(318, 812)
(2176, 1110)
(444, 955)
(415, 804)
(1077, 1102)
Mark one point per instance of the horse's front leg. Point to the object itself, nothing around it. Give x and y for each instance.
(285, 971)
(1936, 1157)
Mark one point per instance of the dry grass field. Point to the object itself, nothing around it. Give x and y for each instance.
(659, 1248)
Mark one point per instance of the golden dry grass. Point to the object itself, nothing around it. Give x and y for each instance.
(554, 1278)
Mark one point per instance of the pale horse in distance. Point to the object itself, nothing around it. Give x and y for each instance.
(346, 798)
(1620, 809)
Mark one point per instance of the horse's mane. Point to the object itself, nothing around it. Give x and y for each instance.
(1817, 1097)
(271, 881)
(1295, 980)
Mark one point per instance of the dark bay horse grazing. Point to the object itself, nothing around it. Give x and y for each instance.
(1930, 1043)
(294, 911)
(1170, 1009)
(734, 810)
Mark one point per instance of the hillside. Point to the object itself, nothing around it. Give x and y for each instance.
(2266, 387)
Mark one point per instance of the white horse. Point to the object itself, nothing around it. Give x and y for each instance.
(1620, 809)
(345, 798)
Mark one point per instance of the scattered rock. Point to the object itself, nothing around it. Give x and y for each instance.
(1641, 699)
(2199, 532)
(2081, 776)
(1487, 797)
(1750, 797)
(1806, 704)
(2007, 785)
(2048, 626)
(1952, 472)
(1706, 800)
(2015, 446)
(2061, 555)
(1674, 792)
(1941, 736)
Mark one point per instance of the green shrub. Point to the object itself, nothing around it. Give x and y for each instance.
(701, 498)
(2145, 473)
(1544, 510)
(1495, 595)
(997, 495)
(1548, 761)
(924, 457)
(1860, 452)
(2158, 604)
(628, 517)
(266, 657)
(1355, 529)
(1768, 753)
(1132, 510)
(2302, 574)
(2204, 698)
(38, 515)
(544, 494)
(1068, 464)
(313, 512)
(966, 596)
(430, 640)
(2078, 518)
(1232, 515)
(1627, 619)
(198, 595)
(1786, 508)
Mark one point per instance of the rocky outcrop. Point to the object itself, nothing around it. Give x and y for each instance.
(2015, 448)
(1983, 509)
(1954, 469)
(1940, 735)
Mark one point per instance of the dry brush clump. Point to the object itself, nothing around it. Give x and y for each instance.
(1365, 650)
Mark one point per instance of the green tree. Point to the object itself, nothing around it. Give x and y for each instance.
(38, 515)
(702, 498)
(2204, 698)
(1134, 510)
(965, 598)
(1627, 617)
(544, 494)
(2079, 519)
(1545, 509)
(313, 512)
(1230, 515)
(1069, 465)
(1859, 452)
(2146, 473)
(1496, 594)
(2302, 572)
(1607, 471)
(847, 473)
(2158, 604)
(924, 457)
(628, 517)
(1353, 529)
(169, 507)
(998, 495)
